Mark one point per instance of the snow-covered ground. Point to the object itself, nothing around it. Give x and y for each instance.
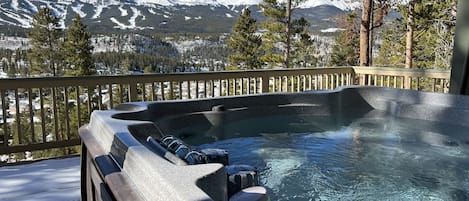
(49, 180)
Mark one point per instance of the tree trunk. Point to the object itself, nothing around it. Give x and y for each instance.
(288, 33)
(409, 42)
(370, 35)
(364, 33)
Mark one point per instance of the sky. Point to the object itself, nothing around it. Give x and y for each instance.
(48, 180)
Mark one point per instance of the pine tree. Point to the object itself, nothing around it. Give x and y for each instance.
(302, 49)
(44, 38)
(431, 42)
(392, 47)
(244, 43)
(346, 50)
(78, 49)
(275, 32)
(278, 40)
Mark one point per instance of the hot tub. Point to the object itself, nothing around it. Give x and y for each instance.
(335, 145)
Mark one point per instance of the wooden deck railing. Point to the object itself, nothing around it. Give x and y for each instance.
(421, 79)
(45, 113)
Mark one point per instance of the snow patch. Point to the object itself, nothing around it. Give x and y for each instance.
(119, 24)
(31, 6)
(187, 18)
(77, 10)
(342, 5)
(134, 16)
(123, 11)
(41, 181)
(25, 23)
(229, 15)
(97, 12)
(132, 24)
(331, 30)
(14, 4)
(198, 18)
(151, 11)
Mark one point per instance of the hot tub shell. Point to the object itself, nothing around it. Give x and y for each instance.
(118, 163)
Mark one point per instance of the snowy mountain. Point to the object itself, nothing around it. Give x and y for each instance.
(158, 15)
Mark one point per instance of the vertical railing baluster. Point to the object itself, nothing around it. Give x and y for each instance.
(43, 119)
(280, 83)
(153, 93)
(111, 98)
(375, 80)
(342, 79)
(100, 98)
(241, 85)
(77, 88)
(31, 115)
(188, 89)
(234, 86)
(18, 120)
(327, 81)
(55, 114)
(298, 83)
(418, 83)
(6, 132)
(162, 91)
(433, 84)
(121, 93)
(402, 82)
(212, 88)
(256, 85)
(442, 84)
(180, 90)
(304, 82)
(197, 89)
(90, 99)
(133, 92)
(144, 91)
(316, 82)
(205, 88)
(220, 87)
(264, 84)
(67, 118)
(337, 80)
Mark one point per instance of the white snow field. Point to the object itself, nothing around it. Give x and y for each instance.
(48, 180)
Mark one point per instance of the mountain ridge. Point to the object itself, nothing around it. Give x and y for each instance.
(158, 15)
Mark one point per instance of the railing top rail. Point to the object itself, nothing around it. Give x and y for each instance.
(46, 82)
(413, 72)
(38, 82)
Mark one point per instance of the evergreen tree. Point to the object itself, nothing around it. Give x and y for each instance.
(78, 49)
(392, 47)
(278, 40)
(44, 38)
(430, 45)
(346, 49)
(302, 49)
(244, 43)
(275, 32)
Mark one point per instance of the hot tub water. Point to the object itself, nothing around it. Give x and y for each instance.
(383, 158)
